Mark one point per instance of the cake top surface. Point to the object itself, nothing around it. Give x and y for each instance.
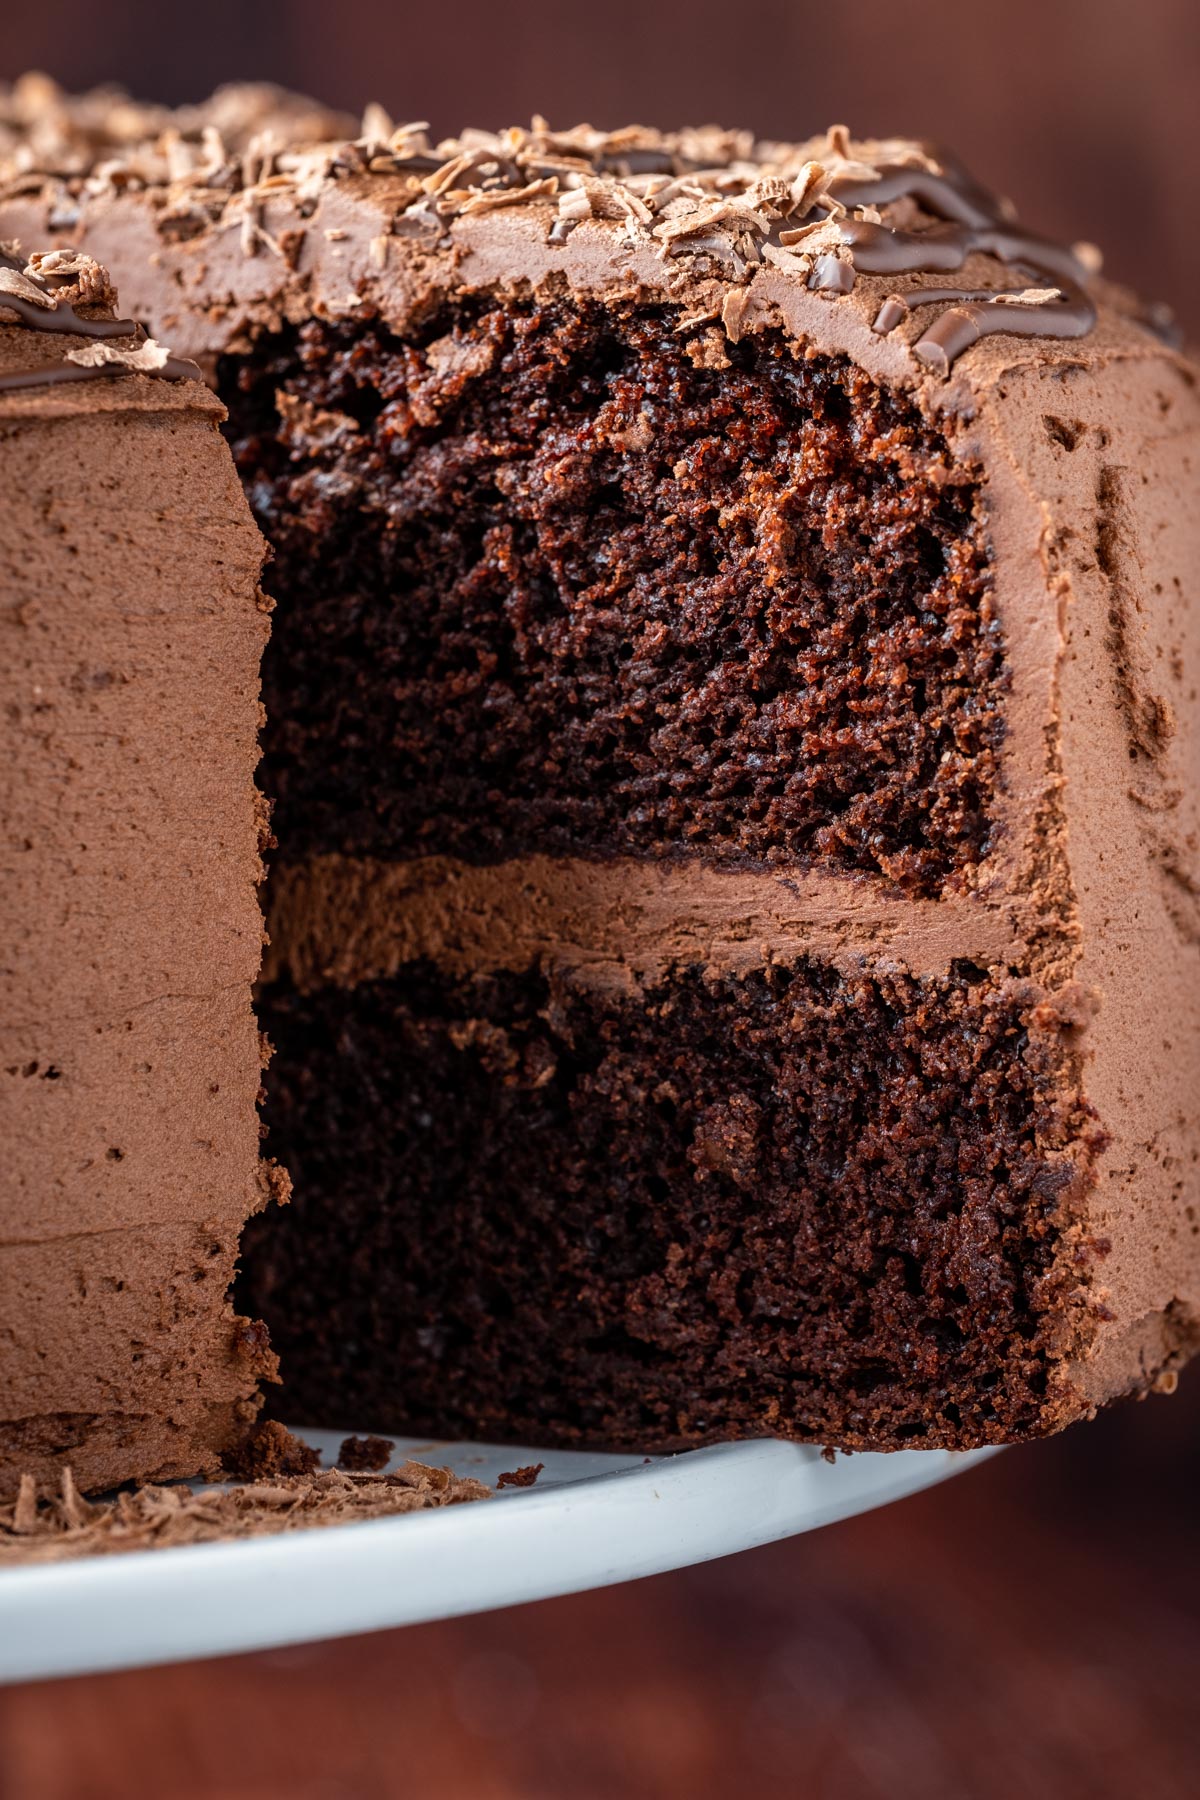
(106, 132)
(834, 213)
(59, 327)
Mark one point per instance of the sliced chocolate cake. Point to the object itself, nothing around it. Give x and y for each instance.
(731, 729)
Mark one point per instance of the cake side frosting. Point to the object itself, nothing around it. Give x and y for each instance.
(131, 1059)
(1123, 571)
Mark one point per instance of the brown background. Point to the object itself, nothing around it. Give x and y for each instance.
(1032, 1629)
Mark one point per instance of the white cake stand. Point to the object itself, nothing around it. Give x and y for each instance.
(589, 1521)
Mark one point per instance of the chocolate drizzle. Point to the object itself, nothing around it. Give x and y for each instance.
(58, 315)
(971, 220)
(176, 368)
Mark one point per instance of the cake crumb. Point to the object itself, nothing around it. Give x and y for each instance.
(524, 1477)
(365, 1454)
(252, 1342)
(271, 1450)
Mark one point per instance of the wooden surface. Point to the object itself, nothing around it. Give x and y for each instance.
(1031, 1630)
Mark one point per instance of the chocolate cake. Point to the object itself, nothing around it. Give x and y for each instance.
(731, 735)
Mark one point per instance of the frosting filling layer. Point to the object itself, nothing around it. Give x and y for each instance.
(342, 920)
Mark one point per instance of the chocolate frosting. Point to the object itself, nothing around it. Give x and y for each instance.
(345, 920)
(130, 635)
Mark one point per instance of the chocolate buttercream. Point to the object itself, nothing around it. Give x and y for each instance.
(132, 632)
(345, 920)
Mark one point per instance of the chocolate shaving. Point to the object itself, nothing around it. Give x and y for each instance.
(148, 358)
(733, 311)
(1028, 297)
(12, 281)
(38, 1528)
(74, 277)
(487, 202)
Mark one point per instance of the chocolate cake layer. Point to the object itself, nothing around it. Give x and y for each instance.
(573, 578)
(736, 632)
(788, 1201)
